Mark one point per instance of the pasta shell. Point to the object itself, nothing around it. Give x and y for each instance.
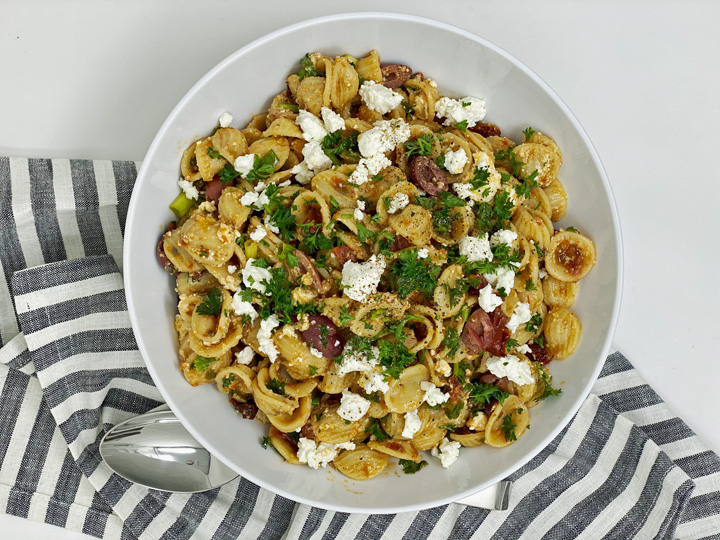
(405, 394)
(368, 67)
(555, 192)
(284, 448)
(559, 294)
(562, 333)
(230, 142)
(517, 411)
(570, 256)
(362, 463)
(207, 165)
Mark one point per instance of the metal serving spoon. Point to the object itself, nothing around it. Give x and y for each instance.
(156, 451)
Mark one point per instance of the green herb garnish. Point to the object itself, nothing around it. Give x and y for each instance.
(211, 304)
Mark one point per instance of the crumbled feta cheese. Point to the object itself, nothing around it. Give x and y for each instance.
(503, 278)
(264, 337)
(315, 158)
(231, 269)
(464, 191)
(369, 167)
(448, 452)
(258, 234)
(433, 395)
(225, 119)
(383, 137)
(286, 183)
(398, 202)
(412, 424)
(477, 422)
(270, 224)
(476, 249)
(358, 361)
(487, 300)
(255, 276)
(503, 236)
(378, 97)
(241, 307)
(361, 204)
(524, 348)
(316, 353)
(302, 173)
(455, 161)
(443, 368)
(423, 253)
(244, 164)
(468, 108)
(542, 274)
(373, 382)
(360, 280)
(333, 121)
(191, 192)
(511, 367)
(312, 127)
(358, 214)
(259, 186)
(352, 406)
(317, 456)
(520, 315)
(245, 356)
(432, 83)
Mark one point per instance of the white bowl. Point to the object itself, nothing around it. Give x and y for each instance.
(463, 64)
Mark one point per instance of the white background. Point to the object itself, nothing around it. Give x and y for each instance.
(95, 79)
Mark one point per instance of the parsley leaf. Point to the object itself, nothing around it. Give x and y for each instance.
(571, 229)
(334, 145)
(345, 316)
(421, 146)
(547, 379)
(409, 109)
(262, 167)
(528, 132)
(462, 126)
(394, 357)
(286, 254)
(508, 157)
(213, 153)
(313, 371)
(410, 274)
(375, 428)
(451, 341)
(530, 285)
(307, 70)
(410, 467)
(211, 304)
(511, 342)
(453, 411)
(201, 363)
(534, 323)
(482, 394)
(481, 177)
(508, 427)
(277, 386)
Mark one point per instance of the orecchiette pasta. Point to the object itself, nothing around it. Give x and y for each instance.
(372, 271)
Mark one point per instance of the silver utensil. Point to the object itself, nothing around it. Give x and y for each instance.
(156, 451)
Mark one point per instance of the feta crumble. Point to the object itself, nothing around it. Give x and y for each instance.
(369, 167)
(476, 249)
(225, 119)
(358, 214)
(412, 424)
(542, 274)
(254, 276)
(443, 368)
(333, 121)
(373, 382)
(478, 422)
(455, 161)
(241, 307)
(317, 456)
(524, 348)
(311, 126)
(397, 203)
(231, 269)
(468, 108)
(465, 192)
(352, 406)
(378, 97)
(423, 253)
(487, 300)
(360, 280)
(316, 353)
(302, 173)
(503, 278)
(258, 234)
(383, 137)
(315, 158)
(358, 361)
(245, 356)
(503, 236)
(270, 224)
(521, 314)
(244, 164)
(190, 191)
(511, 367)
(433, 395)
(264, 337)
(447, 451)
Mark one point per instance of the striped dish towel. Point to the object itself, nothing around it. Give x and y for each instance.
(625, 467)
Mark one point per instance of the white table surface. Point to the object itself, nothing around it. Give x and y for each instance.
(88, 79)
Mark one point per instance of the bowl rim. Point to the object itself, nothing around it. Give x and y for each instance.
(389, 16)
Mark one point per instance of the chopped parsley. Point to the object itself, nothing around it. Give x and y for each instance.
(534, 323)
(277, 387)
(334, 145)
(508, 157)
(262, 167)
(409, 109)
(394, 357)
(211, 304)
(571, 229)
(530, 285)
(422, 146)
(451, 341)
(508, 426)
(462, 126)
(213, 153)
(307, 69)
(314, 239)
(375, 428)
(524, 187)
(481, 178)
(453, 411)
(482, 394)
(528, 132)
(459, 370)
(286, 254)
(345, 316)
(201, 363)
(227, 174)
(547, 379)
(410, 274)
(410, 467)
(313, 371)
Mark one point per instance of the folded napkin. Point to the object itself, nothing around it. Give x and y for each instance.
(625, 466)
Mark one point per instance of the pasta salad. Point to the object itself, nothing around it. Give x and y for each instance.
(372, 271)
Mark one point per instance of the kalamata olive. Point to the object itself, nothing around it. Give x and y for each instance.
(500, 333)
(428, 176)
(398, 243)
(323, 335)
(246, 410)
(486, 130)
(344, 254)
(538, 353)
(395, 75)
(488, 378)
(478, 331)
(163, 260)
(214, 189)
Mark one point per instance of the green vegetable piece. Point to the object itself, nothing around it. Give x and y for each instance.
(181, 205)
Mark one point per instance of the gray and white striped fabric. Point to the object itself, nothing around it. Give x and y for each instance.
(625, 467)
